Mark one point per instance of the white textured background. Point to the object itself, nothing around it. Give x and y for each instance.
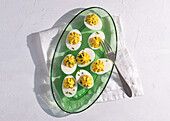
(146, 27)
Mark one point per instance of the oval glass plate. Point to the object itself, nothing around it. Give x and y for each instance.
(84, 98)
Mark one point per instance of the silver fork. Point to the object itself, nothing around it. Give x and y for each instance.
(110, 55)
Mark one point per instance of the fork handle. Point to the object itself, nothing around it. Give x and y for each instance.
(125, 86)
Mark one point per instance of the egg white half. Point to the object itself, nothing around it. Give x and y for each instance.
(72, 91)
(74, 47)
(66, 69)
(80, 73)
(107, 66)
(96, 34)
(98, 26)
(92, 56)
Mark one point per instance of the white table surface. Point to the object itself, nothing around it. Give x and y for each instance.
(146, 28)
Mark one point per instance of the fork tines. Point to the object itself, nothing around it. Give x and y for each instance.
(106, 47)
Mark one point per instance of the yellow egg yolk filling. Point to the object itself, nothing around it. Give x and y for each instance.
(98, 66)
(95, 42)
(69, 83)
(86, 81)
(70, 61)
(83, 58)
(92, 19)
(73, 38)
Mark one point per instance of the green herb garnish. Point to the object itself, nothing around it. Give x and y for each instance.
(80, 56)
(78, 74)
(70, 93)
(97, 33)
(73, 48)
(70, 63)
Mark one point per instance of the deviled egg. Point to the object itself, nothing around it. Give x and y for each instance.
(74, 39)
(92, 21)
(95, 39)
(101, 66)
(69, 64)
(69, 86)
(85, 57)
(84, 78)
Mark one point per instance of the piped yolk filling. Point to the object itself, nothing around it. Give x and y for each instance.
(73, 38)
(83, 58)
(92, 19)
(95, 42)
(86, 81)
(69, 61)
(69, 83)
(98, 66)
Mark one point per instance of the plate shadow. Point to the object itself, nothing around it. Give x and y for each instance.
(42, 62)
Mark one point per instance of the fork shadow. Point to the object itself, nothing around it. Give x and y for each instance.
(116, 78)
(42, 62)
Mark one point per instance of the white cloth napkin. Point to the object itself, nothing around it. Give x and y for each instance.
(113, 90)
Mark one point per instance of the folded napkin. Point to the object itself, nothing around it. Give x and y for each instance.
(113, 90)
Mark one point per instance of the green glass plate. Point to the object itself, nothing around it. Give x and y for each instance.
(84, 98)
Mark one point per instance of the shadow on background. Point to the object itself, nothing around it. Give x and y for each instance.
(42, 87)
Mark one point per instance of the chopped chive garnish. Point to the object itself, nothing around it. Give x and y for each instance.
(67, 61)
(70, 63)
(66, 92)
(73, 89)
(106, 60)
(97, 32)
(82, 73)
(70, 93)
(78, 74)
(80, 56)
